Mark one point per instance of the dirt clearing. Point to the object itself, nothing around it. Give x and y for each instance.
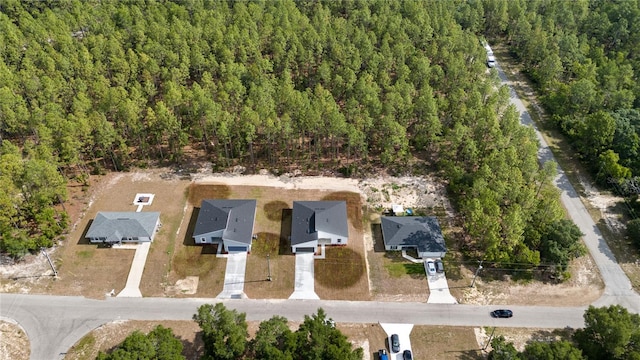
(14, 343)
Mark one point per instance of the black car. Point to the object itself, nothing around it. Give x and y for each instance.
(439, 266)
(502, 313)
(406, 355)
(395, 343)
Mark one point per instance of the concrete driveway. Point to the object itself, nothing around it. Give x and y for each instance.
(132, 288)
(234, 276)
(403, 331)
(439, 290)
(304, 280)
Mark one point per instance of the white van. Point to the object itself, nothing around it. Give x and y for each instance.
(491, 61)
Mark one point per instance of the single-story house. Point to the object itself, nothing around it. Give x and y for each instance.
(226, 221)
(119, 227)
(422, 233)
(318, 222)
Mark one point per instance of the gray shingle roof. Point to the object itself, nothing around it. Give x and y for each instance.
(422, 232)
(309, 217)
(115, 225)
(235, 216)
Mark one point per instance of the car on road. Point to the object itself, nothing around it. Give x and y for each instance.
(406, 355)
(382, 354)
(431, 267)
(491, 61)
(394, 343)
(502, 313)
(439, 266)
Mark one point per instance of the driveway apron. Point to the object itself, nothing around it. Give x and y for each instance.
(234, 276)
(403, 331)
(439, 290)
(305, 283)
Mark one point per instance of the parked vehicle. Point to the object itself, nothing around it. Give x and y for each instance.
(330, 322)
(502, 313)
(406, 355)
(382, 354)
(395, 343)
(491, 61)
(439, 266)
(431, 267)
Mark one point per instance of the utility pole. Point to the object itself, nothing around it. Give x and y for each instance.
(268, 269)
(476, 274)
(55, 272)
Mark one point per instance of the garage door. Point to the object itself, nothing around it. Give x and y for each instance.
(305, 250)
(237, 249)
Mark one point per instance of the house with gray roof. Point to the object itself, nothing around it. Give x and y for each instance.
(228, 222)
(318, 222)
(422, 233)
(123, 227)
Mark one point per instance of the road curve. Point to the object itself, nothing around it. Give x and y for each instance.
(618, 289)
(55, 323)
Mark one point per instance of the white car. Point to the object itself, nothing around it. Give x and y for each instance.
(431, 267)
(491, 61)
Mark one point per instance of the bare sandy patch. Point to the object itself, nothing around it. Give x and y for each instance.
(14, 343)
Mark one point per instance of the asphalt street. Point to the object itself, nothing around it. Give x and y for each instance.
(55, 323)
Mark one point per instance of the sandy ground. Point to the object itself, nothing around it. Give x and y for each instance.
(14, 344)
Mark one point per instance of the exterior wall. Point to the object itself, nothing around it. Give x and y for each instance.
(209, 238)
(433, 255)
(124, 240)
(228, 243)
(334, 239)
(313, 244)
(155, 229)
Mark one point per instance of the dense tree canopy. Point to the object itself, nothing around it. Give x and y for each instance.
(225, 337)
(224, 331)
(585, 59)
(159, 344)
(609, 333)
(338, 85)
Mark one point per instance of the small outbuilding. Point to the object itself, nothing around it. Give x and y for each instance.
(318, 223)
(422, 233)
(228, 222)
(112, 227)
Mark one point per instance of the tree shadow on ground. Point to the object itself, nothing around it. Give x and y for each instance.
(199, 192)
(273, 210)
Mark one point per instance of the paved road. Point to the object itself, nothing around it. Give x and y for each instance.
(618, 289)
(55, 323)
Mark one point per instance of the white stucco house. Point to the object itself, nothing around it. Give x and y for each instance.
(112, 227)
(228, 222)
(318, 222)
